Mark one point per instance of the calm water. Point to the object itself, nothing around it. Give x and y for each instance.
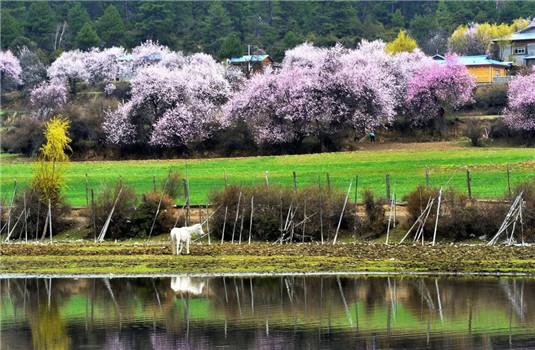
(267, 313)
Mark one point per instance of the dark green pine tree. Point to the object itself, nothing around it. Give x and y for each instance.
(110, 27)
(11, 29)
(154, 21)
(217, 26)
(87, 37)
(76, 18)
(231, 46)
(41, 24)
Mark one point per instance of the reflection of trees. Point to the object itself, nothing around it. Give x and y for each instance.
(48, 328)
(256, 312)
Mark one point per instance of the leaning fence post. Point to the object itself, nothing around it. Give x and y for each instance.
(251, 219)
(387, 181)
(342, 213)
(295, 180)
(10, 211)
(266, 177)
(509, 181)
(469, 183)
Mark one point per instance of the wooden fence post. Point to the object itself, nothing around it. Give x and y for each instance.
(387, 180)
(93, 214)
(186, 198)
(86, 192)
(469, 183)
(295, 180)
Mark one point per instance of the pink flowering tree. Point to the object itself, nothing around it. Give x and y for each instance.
(101, 65)
(520, 111)
(436, 88)
(47, 97)
(70, 67)
(9, 68)
(171, 106)
(338, 90)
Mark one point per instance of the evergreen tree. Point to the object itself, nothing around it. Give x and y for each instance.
(155, 21)
(111, 27)
(217, 26)
(41, 24)
(10, 28)
(76, 18)
(87, 37)
(231, 46)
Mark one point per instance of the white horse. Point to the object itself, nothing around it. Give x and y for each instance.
(187, 285)
(182, 235)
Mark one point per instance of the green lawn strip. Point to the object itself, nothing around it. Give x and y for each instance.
(406, 168)
(140, 264)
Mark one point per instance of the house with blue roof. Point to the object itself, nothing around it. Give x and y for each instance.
(518, 47)
(251, 63)
(484, 69)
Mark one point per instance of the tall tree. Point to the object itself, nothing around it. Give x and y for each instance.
(110, 27)
(10, 28)
(231, 46)
(403, 43)
(87, 37)
(41, 24)
(76, 18)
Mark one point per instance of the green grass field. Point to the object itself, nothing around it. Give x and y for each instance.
(406, 165)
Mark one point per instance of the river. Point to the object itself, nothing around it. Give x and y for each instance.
(278, 312)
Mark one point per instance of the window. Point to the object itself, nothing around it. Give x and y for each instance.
(520, 50)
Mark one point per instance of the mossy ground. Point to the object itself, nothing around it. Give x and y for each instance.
(84, 257)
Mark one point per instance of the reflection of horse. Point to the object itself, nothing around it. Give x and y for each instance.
(189, 285)
(182, 235)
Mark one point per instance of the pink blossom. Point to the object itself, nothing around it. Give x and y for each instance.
(70, 65)
(10, 66)
(437, 87)
(171, 106)
(338, 89)
(47, 97)
(520, 111)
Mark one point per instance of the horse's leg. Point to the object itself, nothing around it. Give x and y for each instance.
(179, 247)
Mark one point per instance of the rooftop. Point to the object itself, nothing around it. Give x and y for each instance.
(248, 58)
(478, 60)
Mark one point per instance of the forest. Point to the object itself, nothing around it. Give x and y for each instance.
(224, 29)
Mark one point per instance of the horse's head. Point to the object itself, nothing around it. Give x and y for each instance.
(199, 230)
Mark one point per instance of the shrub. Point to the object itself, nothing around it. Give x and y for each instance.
(459, 217)
(22, 135)
(120, 224)
(474, 131)
(528, 214)
(143, 216)
(172, 185)
(274, 207)
(374, 224)
(36, 213)
(490, 98)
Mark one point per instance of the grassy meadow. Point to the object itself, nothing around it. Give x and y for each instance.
(406, 163)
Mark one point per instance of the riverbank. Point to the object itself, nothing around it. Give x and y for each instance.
(155, 258)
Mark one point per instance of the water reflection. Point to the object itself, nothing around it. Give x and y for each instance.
(286, 312)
